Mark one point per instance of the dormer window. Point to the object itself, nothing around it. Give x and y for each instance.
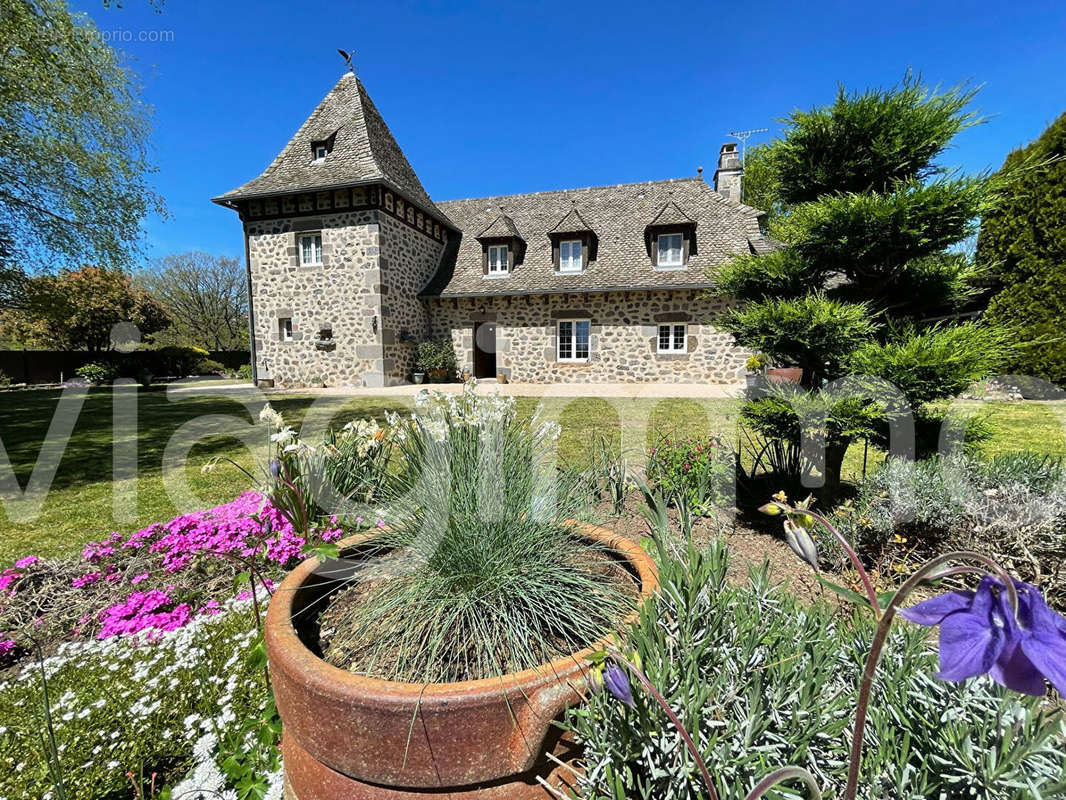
(320, 149)
(671, 250)
(573, 243)
(671, 238)
(498, 259)
(570, 255)
(502, 247)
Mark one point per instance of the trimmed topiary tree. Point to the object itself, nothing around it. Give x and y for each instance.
(868, 219)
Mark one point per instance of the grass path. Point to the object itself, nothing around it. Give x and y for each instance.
(85, 503)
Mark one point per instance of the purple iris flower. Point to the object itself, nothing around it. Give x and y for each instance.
(614, 678)
(275, 468)
(979, 634)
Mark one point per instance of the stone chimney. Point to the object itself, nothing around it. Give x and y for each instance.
(727, 176)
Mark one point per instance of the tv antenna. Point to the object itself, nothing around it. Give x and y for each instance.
(743, 136)
(347, 59)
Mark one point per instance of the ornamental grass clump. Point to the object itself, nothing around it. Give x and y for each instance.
(479, 573)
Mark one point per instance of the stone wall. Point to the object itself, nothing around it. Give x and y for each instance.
(342, 295)
(408, 260)
(623, 333)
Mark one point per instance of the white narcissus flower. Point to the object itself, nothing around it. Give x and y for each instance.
(271, 417)
(283, 436)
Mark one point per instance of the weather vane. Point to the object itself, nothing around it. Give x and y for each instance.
(348, 59)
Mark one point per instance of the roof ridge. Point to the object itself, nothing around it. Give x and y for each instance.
(574, 189)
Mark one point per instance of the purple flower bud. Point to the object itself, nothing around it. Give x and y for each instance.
(801, 542)
(614, 678)
(275, 468)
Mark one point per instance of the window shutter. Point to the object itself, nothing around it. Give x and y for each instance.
(485, 260)
(685, 247)
(655, 251)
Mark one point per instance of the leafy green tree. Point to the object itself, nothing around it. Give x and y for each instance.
(869, 220)
(77, 310)
(73, 134)
(1023, 244)
(760, 187)
(206, 297)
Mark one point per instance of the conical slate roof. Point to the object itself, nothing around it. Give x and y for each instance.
(362, 149)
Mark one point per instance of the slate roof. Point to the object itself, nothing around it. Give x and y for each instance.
(364, 150)
(670, 214)
(618, 215)
(502, 227)
(572, 223)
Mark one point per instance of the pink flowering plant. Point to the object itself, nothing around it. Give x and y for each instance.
(697, 471)
(158, 578)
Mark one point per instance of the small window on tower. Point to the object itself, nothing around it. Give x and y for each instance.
(320, 150)
(285, 329)
(311, 250)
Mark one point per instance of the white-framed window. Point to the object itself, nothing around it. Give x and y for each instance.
(498, 254)
(570, 258)
(285, 329)
(311, 250)
(320, 152)
(673, 338)
(671, 250)
(573, 340)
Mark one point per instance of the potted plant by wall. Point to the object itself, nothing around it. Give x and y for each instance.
(431, 659)
(756, 367)
(784, 374)
(318, 382)
(436, 359)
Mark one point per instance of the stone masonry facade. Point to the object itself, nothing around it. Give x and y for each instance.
(336, 300)
(408, 261)
(355, 316)
(623, 330)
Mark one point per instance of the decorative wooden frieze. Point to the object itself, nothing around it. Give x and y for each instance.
(354, 198)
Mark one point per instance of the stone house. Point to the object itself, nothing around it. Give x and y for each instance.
(350, 263)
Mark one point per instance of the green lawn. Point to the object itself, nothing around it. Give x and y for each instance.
(84, 503)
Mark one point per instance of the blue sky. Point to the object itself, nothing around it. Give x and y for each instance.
(498, 98)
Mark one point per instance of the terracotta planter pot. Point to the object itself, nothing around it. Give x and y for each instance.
(349, 737)
(784, 374)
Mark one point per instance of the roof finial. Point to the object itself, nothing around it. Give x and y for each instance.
(347, 59)
(699, 171)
